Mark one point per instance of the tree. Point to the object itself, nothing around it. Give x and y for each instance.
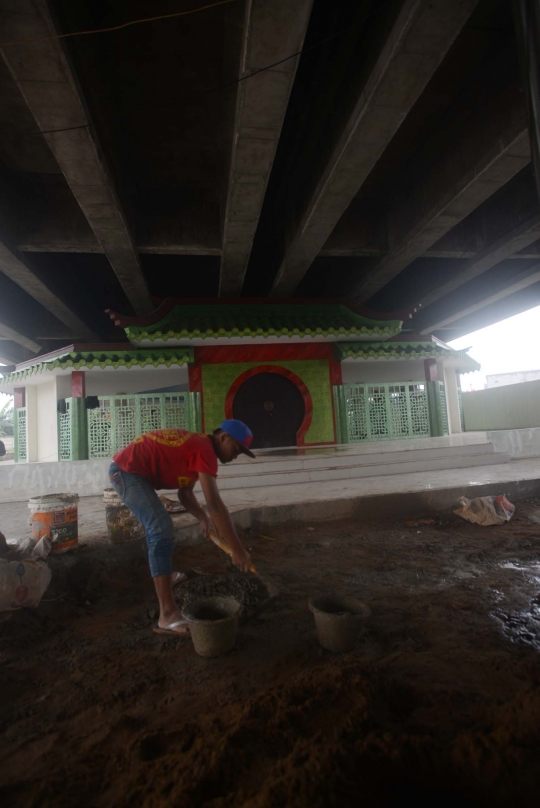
(6, 420)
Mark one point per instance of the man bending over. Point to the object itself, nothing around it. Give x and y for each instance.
(176, 458)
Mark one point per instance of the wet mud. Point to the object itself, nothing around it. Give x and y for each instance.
(438, 705)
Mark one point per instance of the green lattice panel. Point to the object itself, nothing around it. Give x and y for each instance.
(378, 412)
(444, 409)
(20, 416)
(150, 413)
(399, 410)
(386, 411)
(419, 411)
(100, 443)
(64, 434)
(120, 419)
(176, 412)
(357, 421)
(460, 402)
(217, 380)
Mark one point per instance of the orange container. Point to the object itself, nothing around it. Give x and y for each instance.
(56, 516)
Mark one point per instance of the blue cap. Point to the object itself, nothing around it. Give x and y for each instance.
(240, 432)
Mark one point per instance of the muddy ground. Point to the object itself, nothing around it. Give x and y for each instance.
(440, 704)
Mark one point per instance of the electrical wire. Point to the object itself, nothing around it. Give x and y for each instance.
(67, 129)
(230, 83)
(115, 27)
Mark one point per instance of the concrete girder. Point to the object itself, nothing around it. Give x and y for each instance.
(468, 175)
(46, 82)
(11, 353)
(420, 38)
(509, 243)
(8, 333)
(524, 280)
(272, 31)
(14, 267)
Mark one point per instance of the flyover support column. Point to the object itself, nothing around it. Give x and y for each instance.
(78, 418)
(434, 399)
(452, 398)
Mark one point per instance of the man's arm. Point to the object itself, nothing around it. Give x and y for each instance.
(221, 519)
(190, 503)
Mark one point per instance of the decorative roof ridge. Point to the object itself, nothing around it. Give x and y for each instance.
(124, 357)
(407, 349)
(167, 304)
(74, 347)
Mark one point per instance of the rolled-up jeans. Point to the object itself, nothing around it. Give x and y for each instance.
(137, 493)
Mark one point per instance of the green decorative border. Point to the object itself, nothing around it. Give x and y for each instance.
(401, 350)
(362, 325)
(104, 359)
(315, 374)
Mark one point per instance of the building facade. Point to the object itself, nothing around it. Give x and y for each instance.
(300, 373)
(514, 377)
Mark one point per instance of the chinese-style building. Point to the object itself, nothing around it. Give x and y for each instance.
(298, 372)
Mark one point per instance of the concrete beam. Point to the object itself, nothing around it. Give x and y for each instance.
(8, 333)
(11, 353)
(480, 301)
(14, 267)
(520, 236)
(420, 38)
(46, 82)
(272, 31)
(486, 157)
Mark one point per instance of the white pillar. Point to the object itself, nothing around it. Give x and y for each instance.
(47, 421)
(31, 424)
(452, 400)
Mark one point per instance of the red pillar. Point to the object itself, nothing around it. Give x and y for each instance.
(430, 370)
(78, 384)
(19, 396)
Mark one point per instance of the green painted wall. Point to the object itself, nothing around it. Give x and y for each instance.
(514, 406)
(217, 379)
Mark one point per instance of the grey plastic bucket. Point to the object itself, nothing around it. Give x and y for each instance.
(213, 623)
(340, 621)
(122, 526)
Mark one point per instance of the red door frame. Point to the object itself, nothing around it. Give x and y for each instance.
(288, 374)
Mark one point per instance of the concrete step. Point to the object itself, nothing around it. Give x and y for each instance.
(275, 465)
(261, 479)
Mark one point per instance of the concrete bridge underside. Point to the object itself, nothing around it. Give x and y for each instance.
(378, 150)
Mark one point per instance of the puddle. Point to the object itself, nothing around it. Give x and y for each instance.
(532, 571)
(522, 626)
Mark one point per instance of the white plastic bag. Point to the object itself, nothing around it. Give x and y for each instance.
(486, 510)
(22, 583)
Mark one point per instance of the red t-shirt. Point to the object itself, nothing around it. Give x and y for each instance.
(169, 458)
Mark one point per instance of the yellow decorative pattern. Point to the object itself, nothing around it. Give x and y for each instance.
(169, 437)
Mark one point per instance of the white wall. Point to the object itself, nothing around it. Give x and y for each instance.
(124, 380)
(63, 386)
(47, 422)
(383, 371)
(31, 424)
(106, 383)
(452, 400)
(517, 377)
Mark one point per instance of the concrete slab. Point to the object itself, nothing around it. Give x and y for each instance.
(404, 495)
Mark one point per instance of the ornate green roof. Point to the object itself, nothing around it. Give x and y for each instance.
(235, 321)
(402, 350)
(87, 360)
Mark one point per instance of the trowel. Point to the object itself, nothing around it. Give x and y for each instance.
(269, 584)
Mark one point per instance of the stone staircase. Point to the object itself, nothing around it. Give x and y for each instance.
(352, 461)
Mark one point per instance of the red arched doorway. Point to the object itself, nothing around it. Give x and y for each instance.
(274, 403)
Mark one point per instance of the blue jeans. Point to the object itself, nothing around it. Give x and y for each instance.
(141, 499)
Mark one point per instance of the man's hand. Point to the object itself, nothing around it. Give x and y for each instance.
(206, 525)
(242, 560)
